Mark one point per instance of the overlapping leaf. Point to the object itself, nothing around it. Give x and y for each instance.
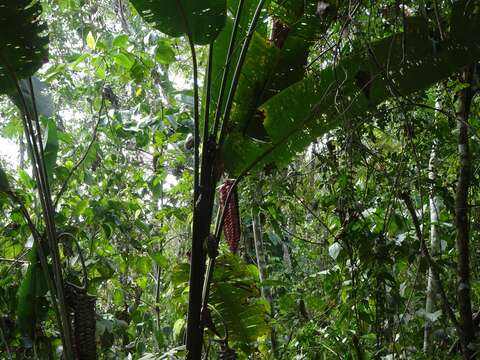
(23, 44)
(236, 297)
(309, 108)
(273, 62)
(32, 305)
(203, 19)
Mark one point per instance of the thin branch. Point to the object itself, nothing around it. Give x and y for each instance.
(226, 68)
(431, 264)
(82, 159)
(238, 70)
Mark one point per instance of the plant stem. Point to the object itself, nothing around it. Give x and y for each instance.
(425, 253)
(202, 217)
(226, 69)
(262, 270)
(39, 169)
(238, 70)
(434, 248)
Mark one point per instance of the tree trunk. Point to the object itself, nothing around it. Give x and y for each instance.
(262, 268)
(434, 250)
(461, 218)
(202, 220)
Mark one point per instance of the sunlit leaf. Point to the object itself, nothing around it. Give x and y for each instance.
(51, 148)
(91, 42)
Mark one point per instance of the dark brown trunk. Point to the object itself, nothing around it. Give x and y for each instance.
(461, 218)
(202, 220)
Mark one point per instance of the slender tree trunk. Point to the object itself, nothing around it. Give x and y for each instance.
(22, 152)
(287, 260)
(461, 218)
(286, 247)
(158, 284)
(262, 268)
(202, 220)
(434, 250)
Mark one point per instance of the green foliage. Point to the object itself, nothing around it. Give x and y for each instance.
(4, 183)
(235, 299)
(23, 44)
(51, 148)
(309, 108)
(32, 305)
(342, 259)
(202, 20)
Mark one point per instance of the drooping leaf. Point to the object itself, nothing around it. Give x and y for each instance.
(203, 19)
(41, 97)
(91, 42)
(32, 305)
(274, 60)
(311, 107)
(164, 53)
(334, 250)
(4, 184)
(23, 45)
(51, 148)
(235, 295)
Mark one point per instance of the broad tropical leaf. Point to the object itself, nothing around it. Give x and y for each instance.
(32, 305)
(51, 148)
(41, 95)
(311, 107)
(203, 19)
(274, 60)
(23, 45)
(236, 297)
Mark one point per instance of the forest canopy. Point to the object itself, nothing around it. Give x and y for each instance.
(249, 179)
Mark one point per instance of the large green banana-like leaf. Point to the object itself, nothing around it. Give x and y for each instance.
(51, 148)
(275, 58)
(395, 66)
(203, 19)
(23, 44)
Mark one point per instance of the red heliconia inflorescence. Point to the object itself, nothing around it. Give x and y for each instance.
(231, 225)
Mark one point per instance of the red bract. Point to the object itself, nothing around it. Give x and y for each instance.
(231, 224)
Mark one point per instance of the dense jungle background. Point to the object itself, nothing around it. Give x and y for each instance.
(239, 179)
